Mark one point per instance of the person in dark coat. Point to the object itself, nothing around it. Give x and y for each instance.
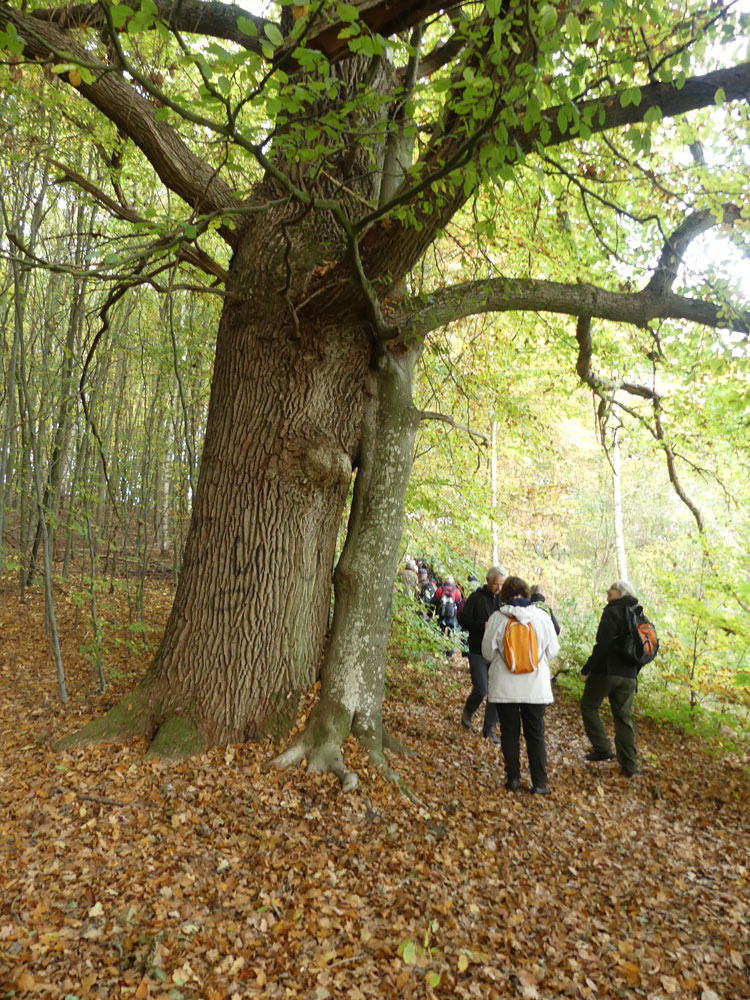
(537, 597)
(610, 674)
(473, 617)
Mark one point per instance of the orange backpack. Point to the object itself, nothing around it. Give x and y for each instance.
(520, 648)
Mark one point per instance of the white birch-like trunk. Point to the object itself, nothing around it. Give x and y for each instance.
(622, 563)
(493, 468)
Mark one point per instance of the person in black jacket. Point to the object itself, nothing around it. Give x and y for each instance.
(473, 617)
(537, 597)
(610, 674)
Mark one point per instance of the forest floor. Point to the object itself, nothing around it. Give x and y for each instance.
(225, 878)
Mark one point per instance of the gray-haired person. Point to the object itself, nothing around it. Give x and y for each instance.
(474, 617)
(610, 674)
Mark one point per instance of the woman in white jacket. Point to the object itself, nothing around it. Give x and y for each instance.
(521, 698)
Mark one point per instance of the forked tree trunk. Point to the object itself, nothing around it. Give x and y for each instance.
(354, 668)
(247, 628)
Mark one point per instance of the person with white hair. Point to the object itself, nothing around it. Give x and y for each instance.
(473, 617)
(611, 674)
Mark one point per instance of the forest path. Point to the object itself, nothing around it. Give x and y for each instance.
(223, 878)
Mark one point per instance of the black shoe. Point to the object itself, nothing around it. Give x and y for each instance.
(540, 790)
(466, 718)
(492, 737)
(600, 755)
(627, 774)
(513, 784)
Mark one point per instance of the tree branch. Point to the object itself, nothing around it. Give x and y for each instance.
(606, 113)
(390, 248)
(675, 246)
(382, 17)
(525, 294)
(606, 389)
(195, 181)
(199, 17)
(446, 418)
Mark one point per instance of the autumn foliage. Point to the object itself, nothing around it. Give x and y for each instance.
(223, 877)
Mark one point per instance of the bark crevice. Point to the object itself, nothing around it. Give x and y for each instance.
(353, 672)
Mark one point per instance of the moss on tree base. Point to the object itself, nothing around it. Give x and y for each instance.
(128, 718)
(176, 739)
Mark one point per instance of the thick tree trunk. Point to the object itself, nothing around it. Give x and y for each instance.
(354, 668)
(247, 628)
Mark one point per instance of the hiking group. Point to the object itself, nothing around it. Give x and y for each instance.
(512, 637)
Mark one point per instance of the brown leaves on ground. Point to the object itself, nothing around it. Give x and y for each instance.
(224, 878)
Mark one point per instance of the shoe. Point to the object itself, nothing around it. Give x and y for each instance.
(627, 774)
(466, 718)
(513, 784)
(600, 755)
(492, 737)
(540, 790)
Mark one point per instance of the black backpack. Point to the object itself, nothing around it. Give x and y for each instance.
(447, 606)
(639, 643)
(427, 592)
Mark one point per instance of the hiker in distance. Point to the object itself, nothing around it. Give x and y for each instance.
(409, 578)
(519, 642)
(473, 617)
(610, 673)
(538, 598)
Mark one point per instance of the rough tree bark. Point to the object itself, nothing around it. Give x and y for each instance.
(353, 673)
(244, 637)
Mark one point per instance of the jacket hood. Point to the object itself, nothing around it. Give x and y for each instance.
(525, 614)
(625, 601)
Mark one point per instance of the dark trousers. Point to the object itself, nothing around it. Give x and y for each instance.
(479, 669)
(512, 716)
(621, 693)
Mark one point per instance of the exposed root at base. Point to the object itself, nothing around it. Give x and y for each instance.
(377, 759)
(176, 739)
(392, 745)
(320, 745)
(127, 719)
(325, 758)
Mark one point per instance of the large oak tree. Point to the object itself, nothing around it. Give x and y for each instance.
(328, 152)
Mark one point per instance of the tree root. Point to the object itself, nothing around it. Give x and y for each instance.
(325, 758)
(395, 779)
(128, 718)
(177, 738)
(320, 743)
(378, 761)
(392, 745)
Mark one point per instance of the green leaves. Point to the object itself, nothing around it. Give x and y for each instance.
(347, 12)
(10, 40)
(273, 34)
(247, 27)
(120, 14)
(547, 18)
(632, 95)
(408, 951)
(144, 18)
